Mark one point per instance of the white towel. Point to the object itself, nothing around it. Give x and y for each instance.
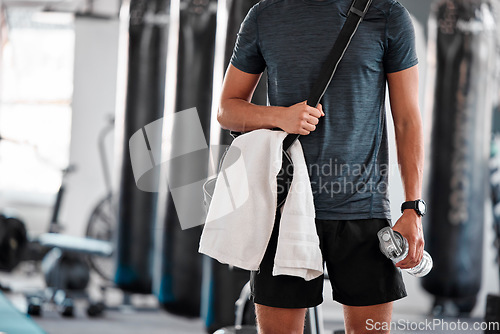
(241, 216)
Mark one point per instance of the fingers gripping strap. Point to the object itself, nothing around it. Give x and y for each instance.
(356, 14)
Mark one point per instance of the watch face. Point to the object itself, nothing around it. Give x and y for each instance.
(422, 207)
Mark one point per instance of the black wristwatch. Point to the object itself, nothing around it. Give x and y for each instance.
(419, 206)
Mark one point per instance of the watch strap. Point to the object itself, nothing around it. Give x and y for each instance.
(409, 205)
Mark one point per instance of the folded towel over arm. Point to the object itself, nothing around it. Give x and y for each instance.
(242, 212)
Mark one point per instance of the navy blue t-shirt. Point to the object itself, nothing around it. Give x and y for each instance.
(347, 154)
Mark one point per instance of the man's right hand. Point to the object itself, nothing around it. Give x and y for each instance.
(237, 113)
(300, 118)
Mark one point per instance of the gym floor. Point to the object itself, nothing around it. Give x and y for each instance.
(143, 315)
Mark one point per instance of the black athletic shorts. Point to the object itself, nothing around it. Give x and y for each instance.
(359, 273)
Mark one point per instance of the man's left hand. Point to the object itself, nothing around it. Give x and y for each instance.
(410, 227)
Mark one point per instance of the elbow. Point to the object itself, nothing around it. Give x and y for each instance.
(411, 123)
(221, 117)
(228, 116)
(405, 125)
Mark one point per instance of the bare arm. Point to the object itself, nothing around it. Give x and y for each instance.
(237, 113)
(403, 91)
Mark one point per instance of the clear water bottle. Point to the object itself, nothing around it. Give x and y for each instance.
(395, 247)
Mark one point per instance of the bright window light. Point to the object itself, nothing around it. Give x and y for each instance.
(35, 108)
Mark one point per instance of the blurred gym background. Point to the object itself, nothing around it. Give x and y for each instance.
(82, 249)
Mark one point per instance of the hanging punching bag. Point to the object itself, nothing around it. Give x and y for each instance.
(461, 48)
(179, 279)
(148, 35)
(222, 284)
(495, 146)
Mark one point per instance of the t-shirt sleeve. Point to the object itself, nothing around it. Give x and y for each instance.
(400, 41)
(247, 55)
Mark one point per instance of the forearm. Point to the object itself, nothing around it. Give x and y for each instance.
(403, 89)
(242, 116)
(237, 113)
(410, 148)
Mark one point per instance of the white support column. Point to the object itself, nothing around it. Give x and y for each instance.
(94, 98)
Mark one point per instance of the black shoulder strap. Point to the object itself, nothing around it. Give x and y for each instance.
(356, 14)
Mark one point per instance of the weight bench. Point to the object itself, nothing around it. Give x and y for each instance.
(12, 321)
(55, 292)
(79, 245)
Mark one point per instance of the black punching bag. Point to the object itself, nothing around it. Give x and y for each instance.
(492, 312)
(178, 284)
(148, 37)
(462, 54)
(222, 284)
(495, 147)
